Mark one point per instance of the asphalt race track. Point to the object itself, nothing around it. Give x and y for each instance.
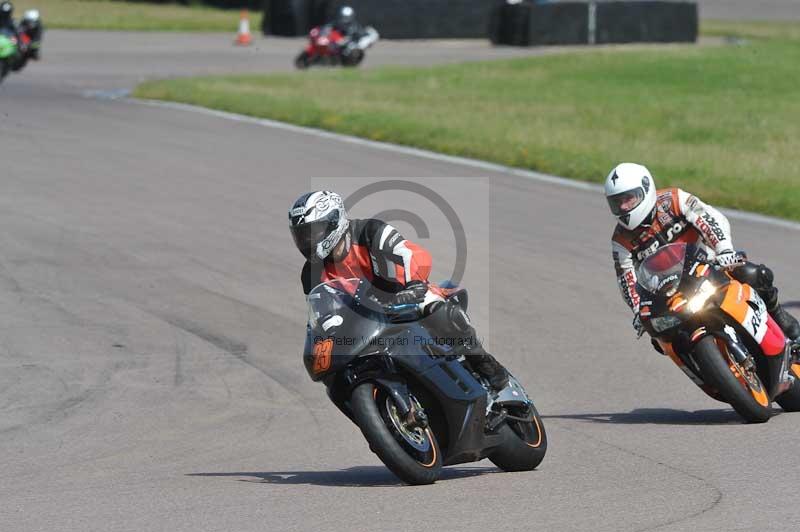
(152, 321)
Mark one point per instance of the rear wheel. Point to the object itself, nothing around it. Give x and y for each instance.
(411, 453)
(790, 399)
(3, 68)
(524, 444)
(739, 386)
(353, 58)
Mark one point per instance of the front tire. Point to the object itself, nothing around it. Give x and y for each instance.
(745, 393)
(19, 63)
(302, 61)
(413, 456)
(524, 444)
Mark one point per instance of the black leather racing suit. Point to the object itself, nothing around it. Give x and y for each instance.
(379, 253)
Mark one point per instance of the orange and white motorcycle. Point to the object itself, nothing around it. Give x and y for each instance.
(718, 331)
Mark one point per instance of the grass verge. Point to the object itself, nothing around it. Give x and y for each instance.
(723, 122)
(118, 15)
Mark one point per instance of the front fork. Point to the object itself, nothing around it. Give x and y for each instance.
(779, 377)
(380, 370)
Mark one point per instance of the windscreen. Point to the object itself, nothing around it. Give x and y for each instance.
(661, 272)
(326, 300)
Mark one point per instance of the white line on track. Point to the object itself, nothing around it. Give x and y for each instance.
(417, 152)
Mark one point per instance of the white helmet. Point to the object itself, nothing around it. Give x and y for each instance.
(31, 15)
(631, 194)
(318, 221)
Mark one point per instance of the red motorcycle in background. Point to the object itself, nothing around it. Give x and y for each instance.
(327, 46)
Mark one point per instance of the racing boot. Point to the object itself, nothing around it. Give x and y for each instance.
(450, 319)
(760, 277)
(787, 322)
(488, 367)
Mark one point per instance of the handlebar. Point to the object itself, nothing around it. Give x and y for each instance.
(400, 313)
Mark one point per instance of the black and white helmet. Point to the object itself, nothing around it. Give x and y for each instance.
(318, 221)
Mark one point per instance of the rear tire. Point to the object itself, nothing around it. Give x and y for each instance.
(790, 399)
(716, 371)
(353, 59)
(524, 445)
(369, 405)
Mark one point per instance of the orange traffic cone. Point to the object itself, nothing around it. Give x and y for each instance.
(243, 38)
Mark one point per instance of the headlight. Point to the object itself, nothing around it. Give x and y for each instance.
(662, 323)
(699, 300)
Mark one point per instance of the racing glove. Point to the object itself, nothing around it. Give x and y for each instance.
(412, 294)
(728, 260)
(638, 326)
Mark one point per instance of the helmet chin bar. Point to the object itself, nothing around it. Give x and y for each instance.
(336, 257)
(647, 222)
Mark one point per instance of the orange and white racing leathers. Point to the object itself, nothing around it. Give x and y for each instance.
(682, 217)
(679, 217)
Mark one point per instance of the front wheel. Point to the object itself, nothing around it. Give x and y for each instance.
(3, 68)
(524, 444)
(303, 60)
(739, 386)
(411, 453)
(18, 65)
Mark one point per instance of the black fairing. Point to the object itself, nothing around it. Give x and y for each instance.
(403, 358)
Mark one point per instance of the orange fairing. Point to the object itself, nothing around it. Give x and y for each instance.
(735, 302)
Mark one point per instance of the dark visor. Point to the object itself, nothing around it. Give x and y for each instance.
(625, 202)
(308, 236)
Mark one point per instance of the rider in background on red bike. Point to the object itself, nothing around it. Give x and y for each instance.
(648, 218)
(346, 24)
(336, 247)
(353, 34)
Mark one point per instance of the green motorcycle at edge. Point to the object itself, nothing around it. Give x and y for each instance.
(17, 48)
(9, 53)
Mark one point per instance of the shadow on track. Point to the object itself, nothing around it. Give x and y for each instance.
(361, 476)
(659, 416)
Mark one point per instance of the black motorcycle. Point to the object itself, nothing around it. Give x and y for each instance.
(412, 395)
